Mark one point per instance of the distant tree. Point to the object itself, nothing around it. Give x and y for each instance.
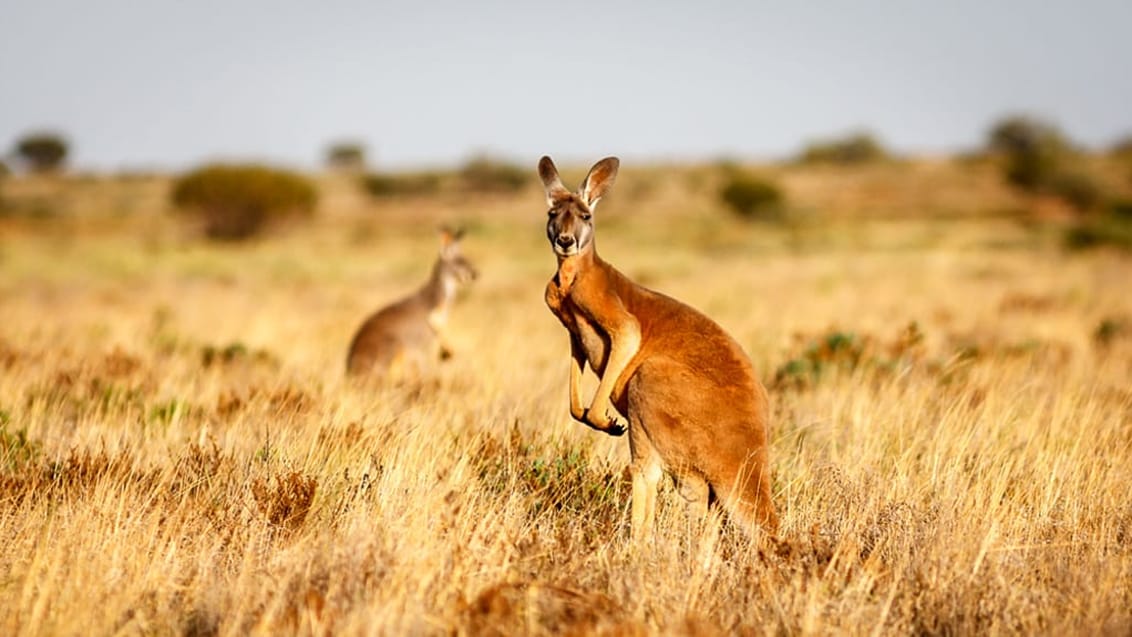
(4, 172)
(1122, 150)
(1040, 159)
(1024, 134)
(486, 175)
(347, 156)
(236, 201)
(1034, 170)
(855, 148)
(752, 197)
(392, 185)
(42, 151)
(1111, 226)
(1078, 189)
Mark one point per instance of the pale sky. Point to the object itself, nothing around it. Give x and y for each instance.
(166, 84)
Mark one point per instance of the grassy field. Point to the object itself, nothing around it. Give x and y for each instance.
(180, 452)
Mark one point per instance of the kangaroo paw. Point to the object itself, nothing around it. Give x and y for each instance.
(612, 425)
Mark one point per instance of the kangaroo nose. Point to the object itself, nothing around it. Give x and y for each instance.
(565, 240)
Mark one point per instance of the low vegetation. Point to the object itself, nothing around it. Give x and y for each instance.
(1111, 227)
(486, 175)
(478, 176)
(1040, 159)
(393, 185)
(348, 156)
(180, 452)
(44, 151)
(238, 201)
(854, 148)
(752, 197)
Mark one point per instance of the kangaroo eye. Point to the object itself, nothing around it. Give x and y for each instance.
(552, 212)
(586, 216)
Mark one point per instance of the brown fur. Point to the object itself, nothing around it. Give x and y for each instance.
(402, 337)
(695, 408)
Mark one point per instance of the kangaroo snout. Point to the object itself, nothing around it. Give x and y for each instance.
(565, 241)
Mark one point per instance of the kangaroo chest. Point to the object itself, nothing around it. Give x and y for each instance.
(594, 340)
(437, 318)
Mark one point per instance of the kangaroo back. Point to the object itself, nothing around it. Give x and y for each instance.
(405, 336)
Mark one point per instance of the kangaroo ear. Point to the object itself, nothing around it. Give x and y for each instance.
(599, 181)
(550, 180)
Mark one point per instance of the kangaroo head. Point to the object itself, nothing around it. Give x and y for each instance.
(452, 266)
(569, 225)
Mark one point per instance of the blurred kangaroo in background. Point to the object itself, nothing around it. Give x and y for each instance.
(695, 408)
(405, 336)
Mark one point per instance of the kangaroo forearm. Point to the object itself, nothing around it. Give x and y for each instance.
(623, 348)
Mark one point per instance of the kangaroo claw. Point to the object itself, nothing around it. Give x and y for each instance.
(613, 426)
(616, 427)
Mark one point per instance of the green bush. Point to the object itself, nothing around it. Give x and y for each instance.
(385, 185)
(1078, 189)
(42, 151)
(1022, 134)
(1112, 227)
(1121, 209)
(238, 201)
(481, 175)
(486, 175)
(856, 148)
(1112, 329)
(1037, 159)
(1032, 171)
(1121, 147)
(833, 350)
(1034, 151)
(348, 156)
(752, 197)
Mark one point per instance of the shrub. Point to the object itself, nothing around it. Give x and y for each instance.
(1122, 147)
(752, 197)
(1078, 189)
(347, 156)
(1112, 227)
(1121, 209)
(485, 175)
(856, 148)
(16, 449)
(43, 151)
(1034, 150)
(1036, 158)
(1034, 170)
(1111, 329)
(833, 350)
(286, 499)
(237, 201)
(382, 185)
(1022, 134)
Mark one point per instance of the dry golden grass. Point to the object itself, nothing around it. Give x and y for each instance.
(181, 454)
